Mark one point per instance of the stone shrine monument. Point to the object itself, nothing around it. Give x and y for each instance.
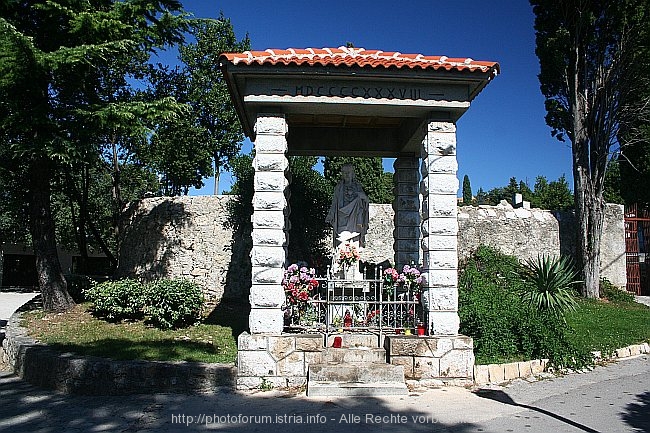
(354, 102)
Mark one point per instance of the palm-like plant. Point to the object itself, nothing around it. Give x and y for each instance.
(550, 282)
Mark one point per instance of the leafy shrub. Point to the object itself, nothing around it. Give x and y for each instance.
(173, 303)
(549, 284)
(613, 293)
(503, 327)
(117, 300)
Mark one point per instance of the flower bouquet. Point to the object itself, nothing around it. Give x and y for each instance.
(299, 283)
(410, 281)
(348, 255)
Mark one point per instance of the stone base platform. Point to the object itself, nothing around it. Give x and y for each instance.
(283, 360)
(449, 359)
(276, 360)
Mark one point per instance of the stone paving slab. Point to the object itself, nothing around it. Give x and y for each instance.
(613, 398)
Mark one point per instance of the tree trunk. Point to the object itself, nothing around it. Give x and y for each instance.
(50, 276)
(117, 194)
(590, 214)
(588, 201)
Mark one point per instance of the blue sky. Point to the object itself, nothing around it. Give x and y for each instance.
(503, 134)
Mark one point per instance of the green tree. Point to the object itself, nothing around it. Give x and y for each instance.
(309, 203)
(58, 65)
(612, 189)
(481, 196)
(554, 195)
(370, 173)
(496, 195)
(209, 132)
(467, 191)
(586, 49)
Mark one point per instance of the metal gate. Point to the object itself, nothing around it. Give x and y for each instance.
(637, 249)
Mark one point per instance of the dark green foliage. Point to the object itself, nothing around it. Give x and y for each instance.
(481, 197)
(310, 200)
(67, 102)
(208, 131)
(613, 192)
(614, 294)
(634, 168)
(171, 304)
(117, 300)
(467, 191)
(554, 195)
(593, 59)
(369, 172)
(503, 327)
(495, 195)
(165, 303)
(549, 282)
(309, 204)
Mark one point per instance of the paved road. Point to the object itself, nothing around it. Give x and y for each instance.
(10, 302)
(615, 398)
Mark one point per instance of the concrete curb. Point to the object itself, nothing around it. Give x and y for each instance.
(500, 373)
(42, 366)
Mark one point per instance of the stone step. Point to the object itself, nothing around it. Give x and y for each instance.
(367, 373)
(342, 389)
(355, 340)
(359, 355)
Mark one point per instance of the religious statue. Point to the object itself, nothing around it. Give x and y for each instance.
(349, 210)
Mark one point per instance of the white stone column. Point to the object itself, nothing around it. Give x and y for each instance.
(270, 209)
(407, 212)
(439, 188)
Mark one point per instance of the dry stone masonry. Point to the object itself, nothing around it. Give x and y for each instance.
(190, 237)
(185, 237)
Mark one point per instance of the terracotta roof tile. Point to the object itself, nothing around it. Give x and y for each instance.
(357, 57)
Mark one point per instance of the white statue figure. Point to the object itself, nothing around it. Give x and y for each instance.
(349, 210)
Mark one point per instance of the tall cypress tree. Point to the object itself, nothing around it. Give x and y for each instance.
(467, 191)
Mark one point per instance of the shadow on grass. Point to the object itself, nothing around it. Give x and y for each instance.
(123, 350)
(230, 314)
(637, 414)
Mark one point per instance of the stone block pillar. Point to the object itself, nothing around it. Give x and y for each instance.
(270, 210)
(407, 212)
(439, 188)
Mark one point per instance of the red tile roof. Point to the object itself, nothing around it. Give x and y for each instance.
(344, 56)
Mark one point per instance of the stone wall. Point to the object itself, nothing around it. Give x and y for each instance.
(190, 237)
(187, 237)
(525, 233)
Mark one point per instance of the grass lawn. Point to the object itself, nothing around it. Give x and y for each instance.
(79, 332)
(606, 326)
(597, 325)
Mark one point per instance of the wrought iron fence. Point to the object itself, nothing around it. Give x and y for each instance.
(367, 305)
